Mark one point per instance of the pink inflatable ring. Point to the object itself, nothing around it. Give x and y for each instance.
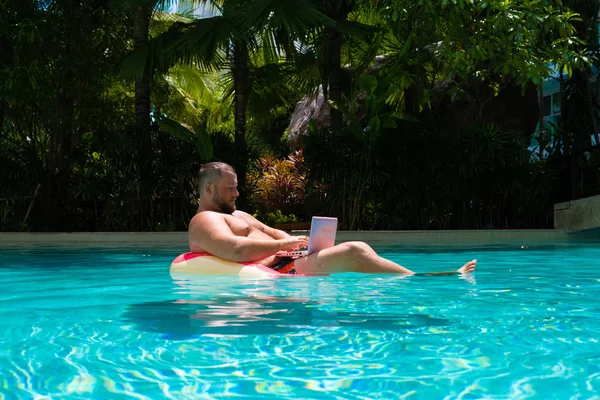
(205, 263)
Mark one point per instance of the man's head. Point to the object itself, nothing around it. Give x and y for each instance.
(218, 187)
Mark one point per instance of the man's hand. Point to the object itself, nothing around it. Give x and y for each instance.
(293, 243)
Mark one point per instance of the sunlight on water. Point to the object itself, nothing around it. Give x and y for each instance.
(113, 323)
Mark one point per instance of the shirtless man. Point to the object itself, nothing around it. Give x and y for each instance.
(221, 230)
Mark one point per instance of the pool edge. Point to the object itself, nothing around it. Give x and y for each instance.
(381, 238)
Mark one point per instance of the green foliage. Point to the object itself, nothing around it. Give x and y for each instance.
(66, 123)
(70, 154)
(278, 217)
(430, 175)
(200, 139)
(279, 186)
(429, 44)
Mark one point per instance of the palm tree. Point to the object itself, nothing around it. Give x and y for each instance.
(244, 32)
(142, 13)
(141, 31)
(338, 10)
(338, 52)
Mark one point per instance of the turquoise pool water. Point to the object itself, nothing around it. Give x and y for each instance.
(112, 323)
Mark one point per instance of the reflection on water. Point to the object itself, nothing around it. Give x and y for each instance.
(258, 315)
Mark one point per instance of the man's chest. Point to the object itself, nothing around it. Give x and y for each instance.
(239, 226)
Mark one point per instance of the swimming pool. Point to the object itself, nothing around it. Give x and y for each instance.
(112, 323)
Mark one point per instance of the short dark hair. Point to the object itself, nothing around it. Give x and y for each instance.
(212, 170)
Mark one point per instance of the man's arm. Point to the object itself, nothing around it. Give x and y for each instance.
(274, 233)
(210, 232)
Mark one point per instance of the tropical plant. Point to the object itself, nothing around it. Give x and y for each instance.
(81, 148)
(429, 175)
(55, 71)
(279, 188)
(242, 39)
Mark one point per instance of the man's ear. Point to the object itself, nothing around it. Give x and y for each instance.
(208, 188)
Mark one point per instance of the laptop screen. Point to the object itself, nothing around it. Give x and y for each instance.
(322, 233)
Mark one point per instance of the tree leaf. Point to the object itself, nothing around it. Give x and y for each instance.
(371, 106)
(175, 129)
(368, 83)
(374, 125)
(389, 123)
(204, 144)
(199, 138)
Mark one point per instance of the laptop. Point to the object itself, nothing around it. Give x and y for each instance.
(322, 236)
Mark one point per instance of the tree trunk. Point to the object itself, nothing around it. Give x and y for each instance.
(3, 63)
(338, 11)
(142, 121)
(562, 145)
(593, 45)
(575, 174)
(542, 123)
(2, 108)
(142, 85)
(334, 59)
(240, 77)
(591, 109)
(595, 102)
(59, 162)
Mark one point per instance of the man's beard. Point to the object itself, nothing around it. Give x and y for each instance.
(224, 206)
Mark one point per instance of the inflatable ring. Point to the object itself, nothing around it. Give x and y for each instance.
(205, 263)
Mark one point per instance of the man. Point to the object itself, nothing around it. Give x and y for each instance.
(221, 230)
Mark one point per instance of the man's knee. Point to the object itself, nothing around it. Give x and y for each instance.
(356, 248)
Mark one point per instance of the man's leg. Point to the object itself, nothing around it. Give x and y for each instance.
(357, 257)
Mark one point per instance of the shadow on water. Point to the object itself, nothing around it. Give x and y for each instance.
(233, 315)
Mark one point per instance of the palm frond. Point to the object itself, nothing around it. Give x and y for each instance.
(198, 85)
(200, 42)
(198, 137)
(295, 17)
(161, 21)
(356, 30)
(214, 5)
(309, 63)
(367, 14)
(271, 89)
(266, 50)
(359, 55)
(195, 98)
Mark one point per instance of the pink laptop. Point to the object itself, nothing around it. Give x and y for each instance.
(322, 233)
(322, 236)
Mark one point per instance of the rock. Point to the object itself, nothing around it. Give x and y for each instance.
(310, 107)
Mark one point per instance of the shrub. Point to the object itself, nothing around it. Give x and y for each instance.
(279, 188)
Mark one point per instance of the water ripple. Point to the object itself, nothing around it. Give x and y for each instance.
(114, 324)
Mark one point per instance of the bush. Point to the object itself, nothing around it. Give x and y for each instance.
(278, 188)
(431, 175)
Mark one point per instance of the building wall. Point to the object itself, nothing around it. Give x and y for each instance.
(552, 99)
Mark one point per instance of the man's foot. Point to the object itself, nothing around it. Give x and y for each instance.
(468, 267)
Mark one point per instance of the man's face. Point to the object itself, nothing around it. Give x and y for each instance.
(225, 193)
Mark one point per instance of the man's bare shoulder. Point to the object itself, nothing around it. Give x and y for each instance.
(241, 214)
(205, 219)
(207, 229)
(247, 217)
